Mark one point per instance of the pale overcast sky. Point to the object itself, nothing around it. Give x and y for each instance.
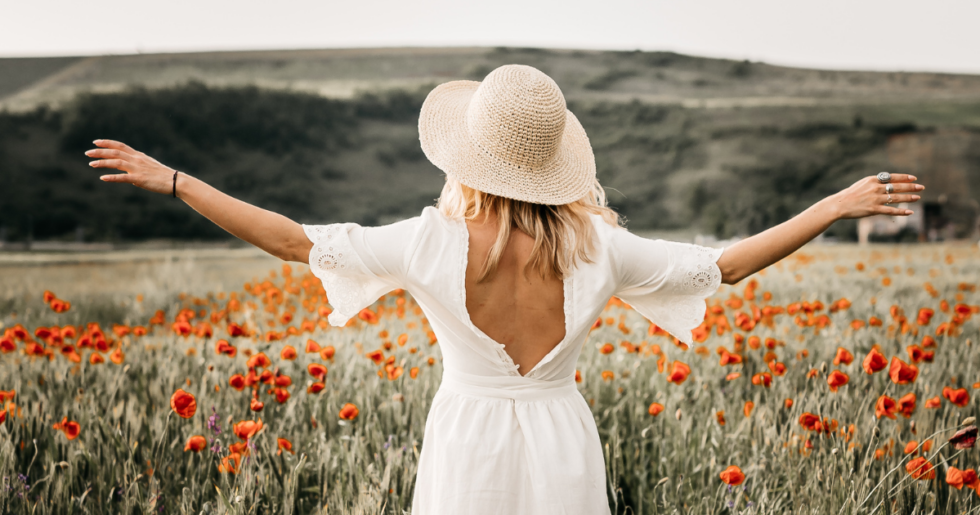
(929, 35)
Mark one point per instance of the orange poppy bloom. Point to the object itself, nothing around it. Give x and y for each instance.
(229, 464)
(312, 346)
(678, 372)
(655, 409)
(915, 353)
(875, 361)
(920, 468)
(196, 443)
(788, 403)
(256, 405)
(906, 404)
(778, 368)
(69, 427)
(117, 356)
(901, 372)
(284, 445)
(763, 378)
(316, 387)
(349, 412)
(836, 379)
(376, 356)
(317, 370)
(728, 358)
(957, 478)
(3, 416)
(259, 360)
(288, 353)
(183, 404)
(933, 403)
(246, 429)
(958, 396)
(720, 415)
(223, 347)
(607, 348)
(237, 382)
(608, 375)
(911, 447)
(885, 406)
(732, 476)
(733, 376)
(843, 357)
(747, 409)
(414, 372)
(96, 359)
(810, 421)
(327, 352)
(282, 395)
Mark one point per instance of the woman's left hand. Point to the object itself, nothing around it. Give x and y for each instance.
(141, 170)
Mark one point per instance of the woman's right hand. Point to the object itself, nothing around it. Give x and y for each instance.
(141, 170)
(867, 197)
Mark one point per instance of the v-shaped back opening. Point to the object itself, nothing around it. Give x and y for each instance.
(505, 355)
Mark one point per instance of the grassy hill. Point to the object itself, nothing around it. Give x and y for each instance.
(682, 143)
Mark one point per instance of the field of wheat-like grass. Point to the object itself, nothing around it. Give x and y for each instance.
(841, 380)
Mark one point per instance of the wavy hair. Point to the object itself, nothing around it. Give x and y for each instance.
(563, 234)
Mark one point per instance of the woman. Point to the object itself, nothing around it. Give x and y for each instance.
(511, 268)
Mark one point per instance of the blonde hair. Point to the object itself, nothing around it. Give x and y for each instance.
(563, 234)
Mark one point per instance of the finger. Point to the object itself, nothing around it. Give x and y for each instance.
(896, 198)
(894, 211)
(117, 145)
(901, 177)
(118, 177)
(901, 187)
(118, 164)
(108, 153)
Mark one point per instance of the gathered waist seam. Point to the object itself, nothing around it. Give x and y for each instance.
(507, 387)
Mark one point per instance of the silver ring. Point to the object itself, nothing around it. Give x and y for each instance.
(884, 177)
(889, 201)
(889, 188)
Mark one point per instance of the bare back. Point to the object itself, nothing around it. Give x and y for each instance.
(525, 314)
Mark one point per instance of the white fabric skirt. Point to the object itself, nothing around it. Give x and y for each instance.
(509, 445)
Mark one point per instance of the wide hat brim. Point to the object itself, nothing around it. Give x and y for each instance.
(565, 178)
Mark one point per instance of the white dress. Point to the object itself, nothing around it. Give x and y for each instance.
(496, 442)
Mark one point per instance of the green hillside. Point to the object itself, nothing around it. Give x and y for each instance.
(682, 143)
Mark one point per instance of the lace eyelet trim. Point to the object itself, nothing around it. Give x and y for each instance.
(334, 261)
(694, 276)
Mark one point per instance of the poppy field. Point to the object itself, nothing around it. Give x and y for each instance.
(843, 380)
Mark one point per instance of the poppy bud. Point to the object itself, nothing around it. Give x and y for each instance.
(876, 432)
(823, 367)
(678, 414)
(968, 421)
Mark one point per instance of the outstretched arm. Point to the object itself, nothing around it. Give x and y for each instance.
(268, 231)
(865, 197)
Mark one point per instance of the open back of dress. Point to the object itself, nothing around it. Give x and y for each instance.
(496, 441)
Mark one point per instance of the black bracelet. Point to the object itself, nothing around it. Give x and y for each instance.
(175, 183)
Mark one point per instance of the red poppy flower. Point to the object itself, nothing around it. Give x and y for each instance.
(933, 403)
(288, 353)
(246, 429)
(69, 427)
(764, 379)
(376, 356)
(312, 346)
(607, 348)
(727, 358)
(183, 404)
(237, 382)
(349, 412)
(959, 396)
(230, 464)
(678, 373)
(732, 476)
(920, 468)
(327, 352)
(836, 379)
(316, 387)
(906, 404)
(256, 405)
(655, 409)
(259, 360)
(196, 443)
(223, 347)
(875, 361)
(964, 438)
(317, 370)
(885, 406)
(810, 421)
(843, 357)
(284, 445)
(778, 368)
(901, 372)
(747, 409)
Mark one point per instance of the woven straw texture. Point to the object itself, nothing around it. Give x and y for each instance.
(510, 135)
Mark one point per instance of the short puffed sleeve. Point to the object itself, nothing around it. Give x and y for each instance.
(357, 265)
(666, 281)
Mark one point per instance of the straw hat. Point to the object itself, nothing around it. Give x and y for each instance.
(510, 135)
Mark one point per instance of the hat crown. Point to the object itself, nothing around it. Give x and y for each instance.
(517, 115)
